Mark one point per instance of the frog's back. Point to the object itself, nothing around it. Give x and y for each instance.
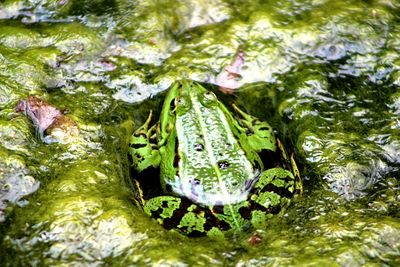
(213, 168)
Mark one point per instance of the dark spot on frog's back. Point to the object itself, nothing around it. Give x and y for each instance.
(223, 164)
(198, 147)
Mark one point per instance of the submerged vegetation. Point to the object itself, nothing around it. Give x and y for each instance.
(325, 74)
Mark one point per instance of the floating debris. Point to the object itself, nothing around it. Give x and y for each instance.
(229, 77)
(51, 124)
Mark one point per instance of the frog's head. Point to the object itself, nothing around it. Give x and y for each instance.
(189, 93)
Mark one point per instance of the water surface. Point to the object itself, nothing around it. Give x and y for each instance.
(324, 73)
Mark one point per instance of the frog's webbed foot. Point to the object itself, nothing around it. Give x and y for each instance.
(260, 133)
(143, 147)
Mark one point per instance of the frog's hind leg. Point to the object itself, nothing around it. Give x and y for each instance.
(271, 194)
(181, 214)
(260, 135)
(143, 147)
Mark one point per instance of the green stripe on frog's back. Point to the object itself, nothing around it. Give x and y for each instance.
(213, 169)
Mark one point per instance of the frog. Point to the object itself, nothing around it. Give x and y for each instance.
(220, 170)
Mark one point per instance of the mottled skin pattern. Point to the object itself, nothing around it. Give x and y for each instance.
(211, 169)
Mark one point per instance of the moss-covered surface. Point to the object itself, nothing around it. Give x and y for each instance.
(324, 73)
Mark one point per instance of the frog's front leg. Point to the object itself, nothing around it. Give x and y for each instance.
(260, 133)
(143, 147)
(271, 193)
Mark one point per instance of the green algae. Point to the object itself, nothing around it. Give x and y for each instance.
(325, 74)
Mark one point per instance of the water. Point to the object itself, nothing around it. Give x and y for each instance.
(325, 74)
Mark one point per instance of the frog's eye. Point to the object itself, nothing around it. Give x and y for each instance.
(210, 95)
(182, 103)
(179, 101)
(209, 98)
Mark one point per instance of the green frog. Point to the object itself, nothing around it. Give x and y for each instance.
(219, 170)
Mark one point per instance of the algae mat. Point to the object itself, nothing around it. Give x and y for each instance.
(324, 73)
